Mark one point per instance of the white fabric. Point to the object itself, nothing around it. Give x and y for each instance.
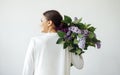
(45, 57)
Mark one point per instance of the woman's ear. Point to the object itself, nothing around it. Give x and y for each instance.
(50, 22)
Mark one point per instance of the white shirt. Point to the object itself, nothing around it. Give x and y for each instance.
(45, 57)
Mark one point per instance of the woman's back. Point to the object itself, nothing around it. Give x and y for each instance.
(47, 57)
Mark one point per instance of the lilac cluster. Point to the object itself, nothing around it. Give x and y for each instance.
(81, 40)
(81, 43)
(75, 29)
(85, 32)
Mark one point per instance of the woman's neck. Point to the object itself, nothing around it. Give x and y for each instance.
(51, 29)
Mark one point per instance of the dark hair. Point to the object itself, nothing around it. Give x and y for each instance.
(53, 15)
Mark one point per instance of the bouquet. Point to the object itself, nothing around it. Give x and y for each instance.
(76, 36)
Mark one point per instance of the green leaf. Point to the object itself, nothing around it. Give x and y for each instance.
(88, 25)
(92, 29)
(67, 19)
(61, 34)
(82, 52)
(65, 45)
(78, 51)
(81, 26)
(80, 35)
(76, 41)
(73, 34)
(95, 39)
(91, 44)
(91, 35)
(72, 50)
(86, 46)
(59, 41)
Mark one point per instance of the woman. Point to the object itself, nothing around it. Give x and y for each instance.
(44, 56)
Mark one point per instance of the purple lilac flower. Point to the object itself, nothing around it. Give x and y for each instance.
(98, 45)
(82, 42)
(74, 29)
(68, 35)
(69, 38)
(75, 18)
(85, 32)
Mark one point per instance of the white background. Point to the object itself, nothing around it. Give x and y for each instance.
(20, 20)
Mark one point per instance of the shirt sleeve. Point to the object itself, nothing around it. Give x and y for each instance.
(28, 68)
(77, 61)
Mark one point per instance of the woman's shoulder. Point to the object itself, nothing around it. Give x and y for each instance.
(44, 36)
